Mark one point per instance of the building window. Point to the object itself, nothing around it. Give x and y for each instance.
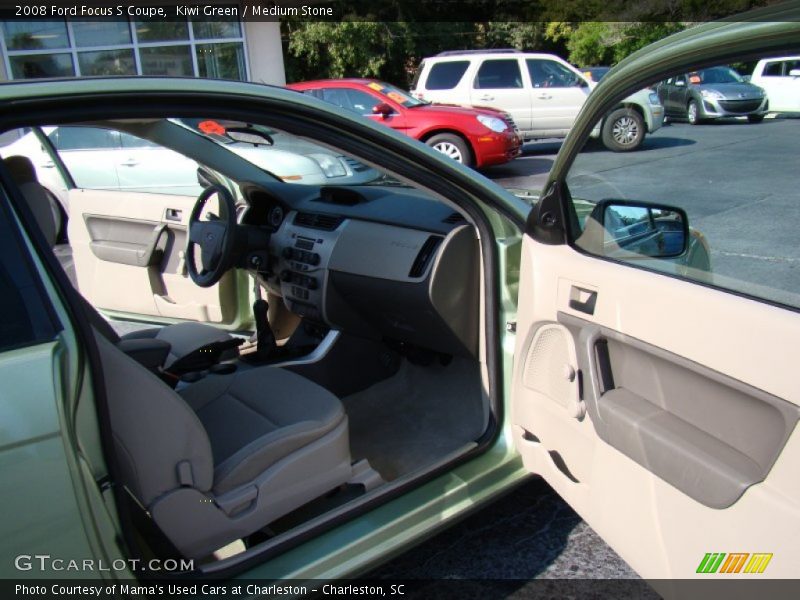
(103, 47)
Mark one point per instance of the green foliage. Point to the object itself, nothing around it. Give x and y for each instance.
(345, 49)
(585, 32)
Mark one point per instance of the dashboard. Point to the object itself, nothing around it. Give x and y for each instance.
(383, 262)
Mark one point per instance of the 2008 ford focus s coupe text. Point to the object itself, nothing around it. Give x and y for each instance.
(329, 373)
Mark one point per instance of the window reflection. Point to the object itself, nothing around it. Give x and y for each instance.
(35, 35)
(107, 63)
(39, 66)
(173, 61)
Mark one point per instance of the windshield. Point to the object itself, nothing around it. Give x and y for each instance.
(716, 75)
(396, 94)
(287, 157)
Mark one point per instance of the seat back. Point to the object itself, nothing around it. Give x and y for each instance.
(160, 444)
(24, 175)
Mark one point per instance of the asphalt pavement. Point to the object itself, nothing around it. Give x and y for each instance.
(736, 180)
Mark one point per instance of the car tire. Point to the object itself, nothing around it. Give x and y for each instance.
(623, 130)
(693, 113)
(453, 146)
(755, 118)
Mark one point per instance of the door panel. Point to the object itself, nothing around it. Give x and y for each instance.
(128, 250)
(671, 430)
(557, 95)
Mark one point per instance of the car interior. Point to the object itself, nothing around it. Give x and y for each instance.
(364, 371)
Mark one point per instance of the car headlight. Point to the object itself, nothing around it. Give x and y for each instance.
(653, 98)
(712, 94)
(330, 165)
(493, 123)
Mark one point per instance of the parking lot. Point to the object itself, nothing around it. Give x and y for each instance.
(716, 172)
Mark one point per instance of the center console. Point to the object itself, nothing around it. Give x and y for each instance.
(303, 246)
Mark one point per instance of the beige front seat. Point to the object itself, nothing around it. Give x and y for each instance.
(183, 338)
(226, 456)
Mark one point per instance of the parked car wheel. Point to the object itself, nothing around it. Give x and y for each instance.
(693, 113)
(755, 118)
(623, 130)
(451, 145)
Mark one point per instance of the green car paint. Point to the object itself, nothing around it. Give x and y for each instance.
(50, 452)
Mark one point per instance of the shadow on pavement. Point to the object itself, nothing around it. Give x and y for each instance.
(523, 166)
(529, 534)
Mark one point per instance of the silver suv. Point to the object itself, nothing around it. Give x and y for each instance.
(542, 92)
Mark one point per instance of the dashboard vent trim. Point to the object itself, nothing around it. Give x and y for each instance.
(424, 256)
(454, 218)
(318, 221)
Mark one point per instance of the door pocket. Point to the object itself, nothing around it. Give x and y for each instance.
(706, 434)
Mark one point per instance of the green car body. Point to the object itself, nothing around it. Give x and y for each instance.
(53, 504)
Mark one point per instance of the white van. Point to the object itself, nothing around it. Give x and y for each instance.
(541, 92)
(780, 77)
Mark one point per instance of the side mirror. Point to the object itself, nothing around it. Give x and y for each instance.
(642, 230)
(382, 109)
(680, 82)
(746, 78)
(794, 73)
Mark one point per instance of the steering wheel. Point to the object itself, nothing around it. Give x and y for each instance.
(215, 237)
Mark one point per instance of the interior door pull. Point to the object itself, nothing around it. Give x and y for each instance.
(582, 300)
(173, 214)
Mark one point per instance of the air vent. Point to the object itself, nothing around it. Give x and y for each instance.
(318, 221)
(424, 257)
(355, 165)
(454, 218)
(341, 196)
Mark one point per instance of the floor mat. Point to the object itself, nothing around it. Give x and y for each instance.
(417, 416)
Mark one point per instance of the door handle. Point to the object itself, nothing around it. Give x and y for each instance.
(486, 97)
(173, 214)
(582, 300)
(544, 97)
(129, 163)
(48, 165)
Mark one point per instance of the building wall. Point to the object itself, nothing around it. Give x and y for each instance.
(260, 52)
(265, 53)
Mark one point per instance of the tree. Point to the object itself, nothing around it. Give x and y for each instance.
(345, 49)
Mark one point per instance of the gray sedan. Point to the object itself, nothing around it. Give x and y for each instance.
(712, 94)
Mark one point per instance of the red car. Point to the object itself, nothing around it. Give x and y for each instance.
(474, 136)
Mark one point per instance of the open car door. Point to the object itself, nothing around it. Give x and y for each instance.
(654, 380)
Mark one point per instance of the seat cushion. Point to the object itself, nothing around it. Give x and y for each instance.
(254, 418)
(183, 338)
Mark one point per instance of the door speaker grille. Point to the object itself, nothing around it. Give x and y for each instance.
(549, 364)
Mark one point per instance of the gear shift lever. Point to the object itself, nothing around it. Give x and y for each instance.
(265, 338)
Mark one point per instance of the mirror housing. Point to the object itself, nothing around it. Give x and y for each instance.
(642, 230)
(382, 109)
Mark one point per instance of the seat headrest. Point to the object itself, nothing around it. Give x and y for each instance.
(21, 169)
